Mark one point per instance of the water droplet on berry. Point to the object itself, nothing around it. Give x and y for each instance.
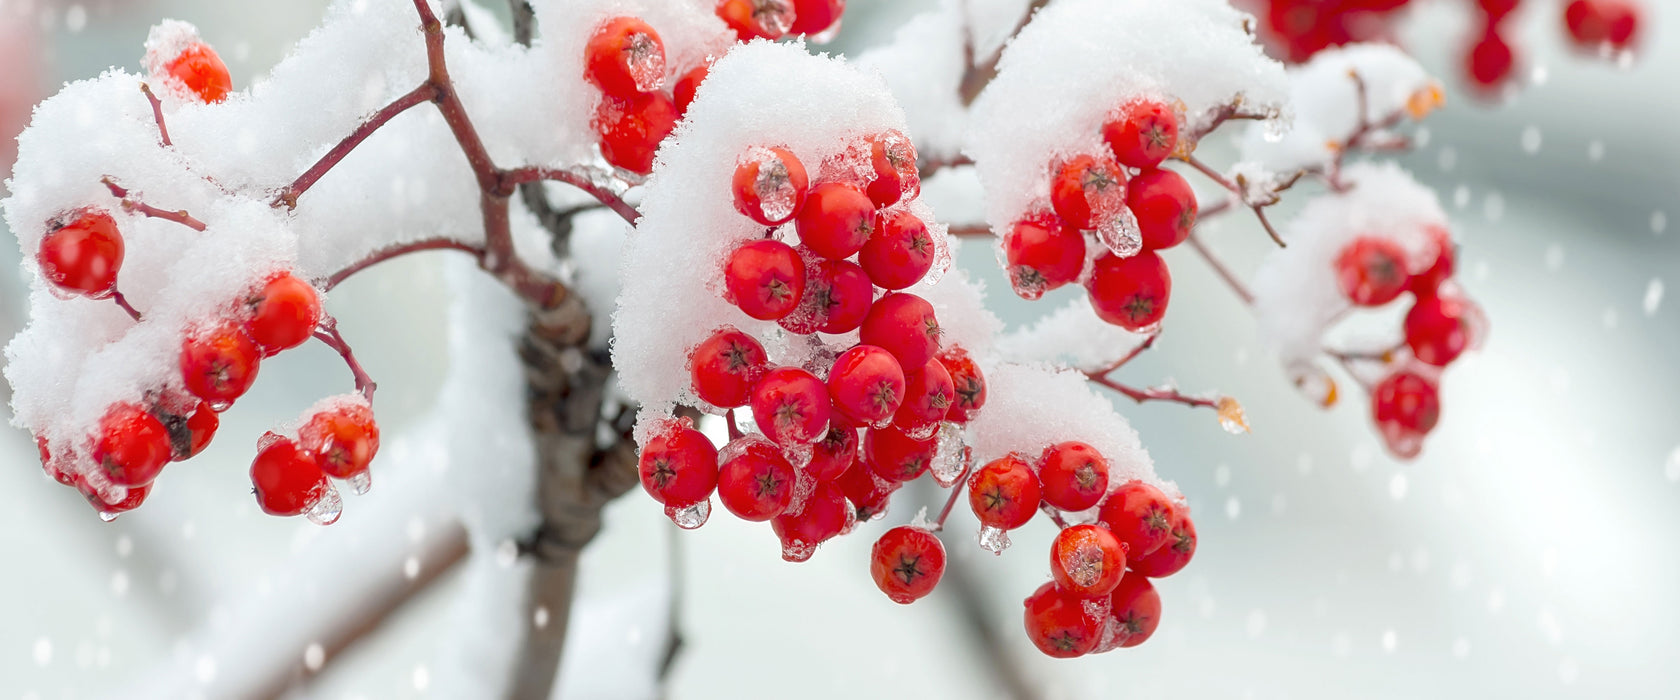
(951, 457)
(327, 508)
(797, 551)
(220, 406)
(646, 61)
(690, 517)
(777, 193)
(360, 482)
(993, 539)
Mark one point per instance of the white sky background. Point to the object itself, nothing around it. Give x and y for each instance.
(1527, 553)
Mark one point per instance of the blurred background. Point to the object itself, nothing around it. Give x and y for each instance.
(1529, 552)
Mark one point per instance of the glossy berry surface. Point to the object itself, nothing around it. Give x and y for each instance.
(344, 439)
(904, 325)
(624, 56)
(896, 456)
(202, 72)
(1408, 401)
(286, 478)
(1428, 282)
(906, 563)
(1165, 207)
(895, 177)
(765, 278)
(1140, 516)
(678, 467)
(1073, 475)
(1491, 61)
(132, 445)
(755, 482)
(682, 94)
(1371, 271)
(191, 430)
(1087, 561)
(928, 396)
(1060, 624)
(284, 313)
(840, 294)
(83, 256)
(632, 127)
(869, 493)
(825, 514)
(1171, 557)
(770, 185)
(1142, 134)
(1135, 610)
(1086, 187)
(1437, 329)
(836, 221)
(1043, 253)
(791, 406)
(1595, 23)
(756, 19)
(968, 381)
(219, 364)
(724, 367)
(899, 252)
(866, 385)
(815, 16)
(1131, 293)
(835, 453)
(1004, 494)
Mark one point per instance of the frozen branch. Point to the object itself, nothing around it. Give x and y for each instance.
(132, 204)
(328, 334)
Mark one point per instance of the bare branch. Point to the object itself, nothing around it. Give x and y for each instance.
(131, 204)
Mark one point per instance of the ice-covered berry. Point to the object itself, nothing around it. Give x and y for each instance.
(1171, 557)
(897, 456)
(825, 515)
(1086, 560)
(1043, 253)
(624, 56)
(344, 438)
(1140, 516)
(836, 220)
(1086, 187)
(755, 482)
(1063, 625)
(929, 394)
(632, 127)
(219, 363)
(899, 252)
(866, 385)
(1438, 329)
(283, 313)
(286, 477)
(904, 324)
(1165, 207)
(1371, 271)
(770, 185)
(201, 71)
(967, 380)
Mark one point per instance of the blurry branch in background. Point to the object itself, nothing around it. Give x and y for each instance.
(980, 73)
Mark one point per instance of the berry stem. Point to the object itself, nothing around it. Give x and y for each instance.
(397, 251)
(1219, 267)
(1231, 111)
(950, 501)
(122, 301)
(130, 204)
(929, 166)
(1143, 395)
(1257, 208)
(1147, 343)
(734, 430)
(574, 177)
(289, 195)
(328, 334)
(157, 113)
(1054, 515)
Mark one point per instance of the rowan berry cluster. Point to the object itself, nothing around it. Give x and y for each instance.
(1442, 323)
(1121, 205)
(1305, 27)
(81, 254)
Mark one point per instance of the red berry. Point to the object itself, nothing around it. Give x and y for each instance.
(286, 477)
(133, 496)
(1408, 402)
(1371, 271)
(219, 364)
(894, 160)
(904, 325)
(679, 467)
(1004, 493)
(1074, 475)
(1131, 293)
(1437, 330)
(835, 453)
(815, 16)
(968, 382)
(1043, 254)
(755, 482)
(202, 72)
(189, 434)
(756, 19)
(791, 406)
(766, 278)
(1060, 624)
(132, 445)
(632, 128)
(1086, 187)
(725, 366)
(1165, 208)
(624, 57)
(1172, 556)
(1134, 611)
(900, 251)
(770, 185)
(1427, 282)
(83, 256)
(866, 385)
(928, 396)
(344, 439)
(1594, 23)
(841, 294)
(1490, 61)
(1142, 133)
(1496, 10)
(1087, 561)
(907, 563)
(283, 314)
(1140, 516)
(824, 516)
(895, 456)
(868, 492)
(836, 221)
(682, 94)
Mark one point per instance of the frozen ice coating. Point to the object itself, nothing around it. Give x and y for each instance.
(1071, 336)
(1296, 296)
(1034, 406)
(1324, 97)
(1079, 60)
(758, 94)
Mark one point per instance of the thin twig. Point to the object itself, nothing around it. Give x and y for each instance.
(288, 196)
(130, 204)
(1054, 515)
(979, 74)
(951, 500)
(734, 430)
(575, 178)
(157, 113)
(1146, 395)
(970, 231)
(1147, 343)
(397, 251)
(328, 334)
(122, 301)
(1218, 266)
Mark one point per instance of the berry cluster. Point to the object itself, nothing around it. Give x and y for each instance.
(1131, 208)
(81, 255)
(625, 58)
(1302, 28)
(1442, 323)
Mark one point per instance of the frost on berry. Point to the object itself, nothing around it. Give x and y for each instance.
(178, 60)
(757, 19)
(993, 539)
(952, 455)
(690, 516)
(770, 184)
(625, 55)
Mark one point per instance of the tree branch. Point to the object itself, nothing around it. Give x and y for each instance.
(157, 113)
(133, 205)
(979, 74)
(397, 251)
(1146, 395)
(289, 194)
(328, 334)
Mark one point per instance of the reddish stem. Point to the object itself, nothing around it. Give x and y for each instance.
(734, 430)
(951, 501)
(1219, 267)
(328, 334)
(970, 231)
(398, 251)
(1147, 343)
(1055, 515)
(1235, 189)
(1170, 395)
(157, 113)
(510, 179)
(289, 195)
(129, 204)
(122, 301)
